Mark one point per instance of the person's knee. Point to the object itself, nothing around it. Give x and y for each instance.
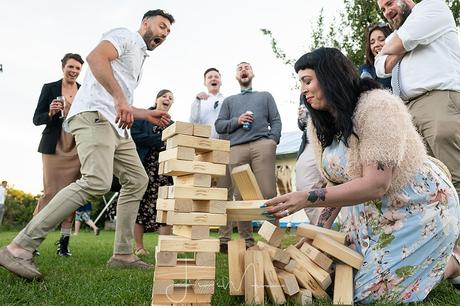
(95, 186)
(136, 183)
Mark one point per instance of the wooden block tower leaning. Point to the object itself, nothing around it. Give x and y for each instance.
(191, 206)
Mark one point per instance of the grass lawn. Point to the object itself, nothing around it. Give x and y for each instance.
(83, 278)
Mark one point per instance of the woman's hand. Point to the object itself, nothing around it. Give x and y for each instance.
(55, 107)
(287, 204)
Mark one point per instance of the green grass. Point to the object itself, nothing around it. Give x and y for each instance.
(83, 278)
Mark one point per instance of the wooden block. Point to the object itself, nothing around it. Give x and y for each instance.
(203, 286)
(178, 205)
(288, 282)
(205, 259)
(162, 216)
(303, 297)
(339, 251)
(236, 251)
(271, 233)
(165, 259)
(197, 193)
(322, 277)
(163, 192)
(246, 211)
(247, 217)
(181, 295)
(191, 231)
(306, 280)
(180, 244)
(254, 277)
(196, 218)
(194, 180)
(275, 253)
(163, 286)
(202, 130)
(316, 256)
(246, 183)
(213, 207)
(201, 145)
(181, 153)
(185, 271)
(274, 289)
(343, 285)
(175, 167)
(178, 127)
(310, 231)
(215, 157)
(254, 248)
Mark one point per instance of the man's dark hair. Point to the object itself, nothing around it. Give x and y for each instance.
(74, 56)
(3, 182)
(209, 70)
(153, 13)
(341, 86)
(243, 63)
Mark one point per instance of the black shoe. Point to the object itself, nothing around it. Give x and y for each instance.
(223, 248)
(63, 247)
(36, 253)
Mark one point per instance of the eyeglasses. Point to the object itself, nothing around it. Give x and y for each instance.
(379, 25)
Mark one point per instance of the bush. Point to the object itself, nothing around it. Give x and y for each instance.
(19, 208)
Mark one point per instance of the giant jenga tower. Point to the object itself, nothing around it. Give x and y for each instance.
(191, 206)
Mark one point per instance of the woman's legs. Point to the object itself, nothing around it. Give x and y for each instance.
(453, 265)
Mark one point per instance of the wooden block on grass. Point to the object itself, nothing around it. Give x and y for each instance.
(191, 231)
(339, 251)
(271, 233)
(181, 153)
(310, 231)
(288, 282)
(276, 254)
(215, 157)
(201, 145)
(316, 256)
(303, 297)
(182, 295)
(175, 167)
(306, 280)
(193, 180)
(197, 193)
(246, 183)
(202, 130)
(181, 244)
(185, 271)
(177, 127)
(195, 218)
(343, 285)
(254, 277)
(236, 251)
(205, 259)
(272, 284)
(203, 286)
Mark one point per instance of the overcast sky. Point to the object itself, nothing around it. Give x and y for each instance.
(34, 35)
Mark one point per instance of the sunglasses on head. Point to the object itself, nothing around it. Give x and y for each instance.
(380, 25)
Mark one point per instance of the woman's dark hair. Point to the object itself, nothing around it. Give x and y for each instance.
(160, 93)
(74, 56)
(385, 30)
(341, 87)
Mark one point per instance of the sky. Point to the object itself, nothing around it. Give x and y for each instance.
(34, 35)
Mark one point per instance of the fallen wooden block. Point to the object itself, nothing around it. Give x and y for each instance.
(303, 297)
(306, 280)
(246, 183)
(193, 180)
(276, 254)
(175, 167)
(253, 278)
(316, 256)
(191, 231)
(197, 193)
(310, 231)
(176, 128)
(271, 233)
(185, 271)
(216, 157)
(201, 130)
(236, 251)
(200, 145)
(181, 295)
(181, 153)
(288, 282)
(180, 244)
(196, 218)
(339, 251)
(322, 277)
(343, 285)
(272, 284)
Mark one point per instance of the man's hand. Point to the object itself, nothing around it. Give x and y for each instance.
(157, 117)
(245, 118)
(125, 116)
(202, 96)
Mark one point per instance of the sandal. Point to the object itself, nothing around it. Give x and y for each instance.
(141, 252)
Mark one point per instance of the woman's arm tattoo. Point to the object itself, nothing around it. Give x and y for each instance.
(314, 195)
(327, 216)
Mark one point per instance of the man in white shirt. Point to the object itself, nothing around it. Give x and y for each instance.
(423, 57)
(2, 199)
(100, 118)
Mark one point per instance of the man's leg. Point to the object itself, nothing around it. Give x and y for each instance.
(2, 212)
(437, 118)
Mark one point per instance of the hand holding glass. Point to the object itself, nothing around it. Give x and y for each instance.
(62, 100)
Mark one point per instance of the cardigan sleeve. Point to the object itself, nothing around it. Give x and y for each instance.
(380, 122)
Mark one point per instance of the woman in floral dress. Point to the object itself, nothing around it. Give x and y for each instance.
(401, 211)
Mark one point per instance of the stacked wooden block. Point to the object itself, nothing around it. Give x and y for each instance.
(191, 206)
(293, 273)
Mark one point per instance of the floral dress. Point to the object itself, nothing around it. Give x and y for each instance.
(406, 238)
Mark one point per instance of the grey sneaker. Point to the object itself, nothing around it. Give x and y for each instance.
(25, 268)
(116, 263)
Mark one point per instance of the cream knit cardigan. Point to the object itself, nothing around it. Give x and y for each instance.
(385, 134)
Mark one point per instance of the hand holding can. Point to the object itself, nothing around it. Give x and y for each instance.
(247, 125)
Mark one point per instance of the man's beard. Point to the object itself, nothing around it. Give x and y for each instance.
(148, 37)
(405, 12)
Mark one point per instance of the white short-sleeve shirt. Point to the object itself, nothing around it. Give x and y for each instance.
(127, 70)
